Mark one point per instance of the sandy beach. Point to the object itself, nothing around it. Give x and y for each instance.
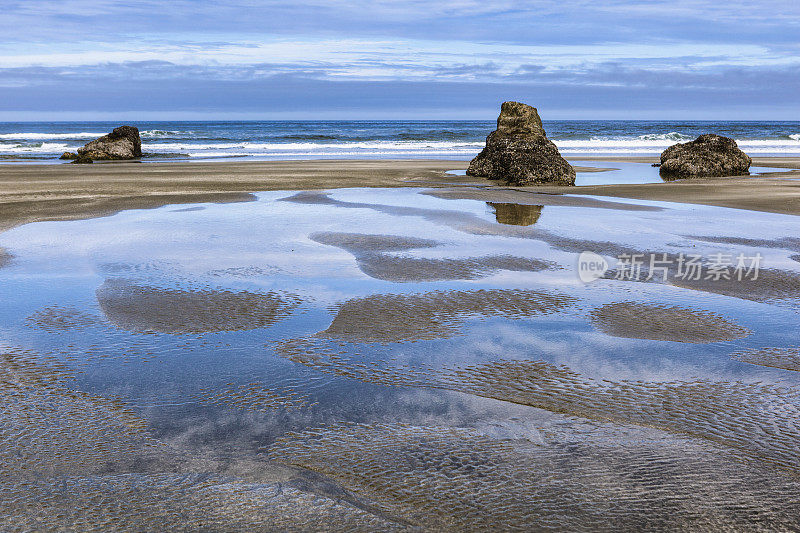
(30, 193)
(318, 343)
(248, 285)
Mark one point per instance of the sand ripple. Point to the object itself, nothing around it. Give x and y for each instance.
(664, 323)
(785, 358)
(369, 251)
(456, 479)
(432, 315)
(145, 308)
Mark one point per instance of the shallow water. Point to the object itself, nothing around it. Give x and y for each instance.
(384, 359)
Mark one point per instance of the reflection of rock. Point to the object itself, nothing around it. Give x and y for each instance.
(516, 214)
(707, 156)
(519, 152)
(369, 253)
(122, 143)
(664, 323)
(143, 308)
(401, 317)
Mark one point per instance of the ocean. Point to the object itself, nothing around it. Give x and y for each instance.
(164, 141)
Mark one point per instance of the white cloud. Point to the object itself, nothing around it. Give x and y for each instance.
(390, 59)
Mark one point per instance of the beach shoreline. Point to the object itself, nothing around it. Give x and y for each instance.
(31, 193)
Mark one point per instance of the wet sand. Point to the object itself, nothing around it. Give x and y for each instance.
(664, 323)
(140, 308)
(189, 420)
(30, 193)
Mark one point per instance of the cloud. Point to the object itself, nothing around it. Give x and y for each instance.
(525, 21)
(616, 53)
(268, 90)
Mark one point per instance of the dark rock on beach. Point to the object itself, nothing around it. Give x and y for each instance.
(519, 151)
(707, 156)
(69, 155)
(82, 160)
(122, 143)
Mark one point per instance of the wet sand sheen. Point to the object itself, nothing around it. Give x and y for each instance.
(457, 479)
(664, 323)
(620, 454)
(787, 358)
(757, 422)
(142, 308)
(435, 314)
(370, 253)
(30, 193)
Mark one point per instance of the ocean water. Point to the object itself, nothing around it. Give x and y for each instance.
(382, 139)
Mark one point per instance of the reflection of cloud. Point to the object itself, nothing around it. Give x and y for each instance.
(396, 318)
(787, 358)
(369, 251)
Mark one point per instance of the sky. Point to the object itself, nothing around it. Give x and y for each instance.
(410, 59)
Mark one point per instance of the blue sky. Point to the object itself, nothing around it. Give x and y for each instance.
(239, 59)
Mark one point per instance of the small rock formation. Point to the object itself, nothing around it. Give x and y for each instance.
(707, 156)
(520, 153)
(122, 143)
(69, 155)
(82, 160)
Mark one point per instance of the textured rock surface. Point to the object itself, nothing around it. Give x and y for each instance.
(122, 143)
(82, 159)
(69, 155)
(707, 156)
(519, 152)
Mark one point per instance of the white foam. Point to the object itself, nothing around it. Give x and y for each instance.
(164, 133)
(672, 136)
(49, 136)
(641, 145)
(39, 148)
(272, 147)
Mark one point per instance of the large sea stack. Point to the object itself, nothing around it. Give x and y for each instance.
(520, 153)
(707, 156)
(122, 143)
